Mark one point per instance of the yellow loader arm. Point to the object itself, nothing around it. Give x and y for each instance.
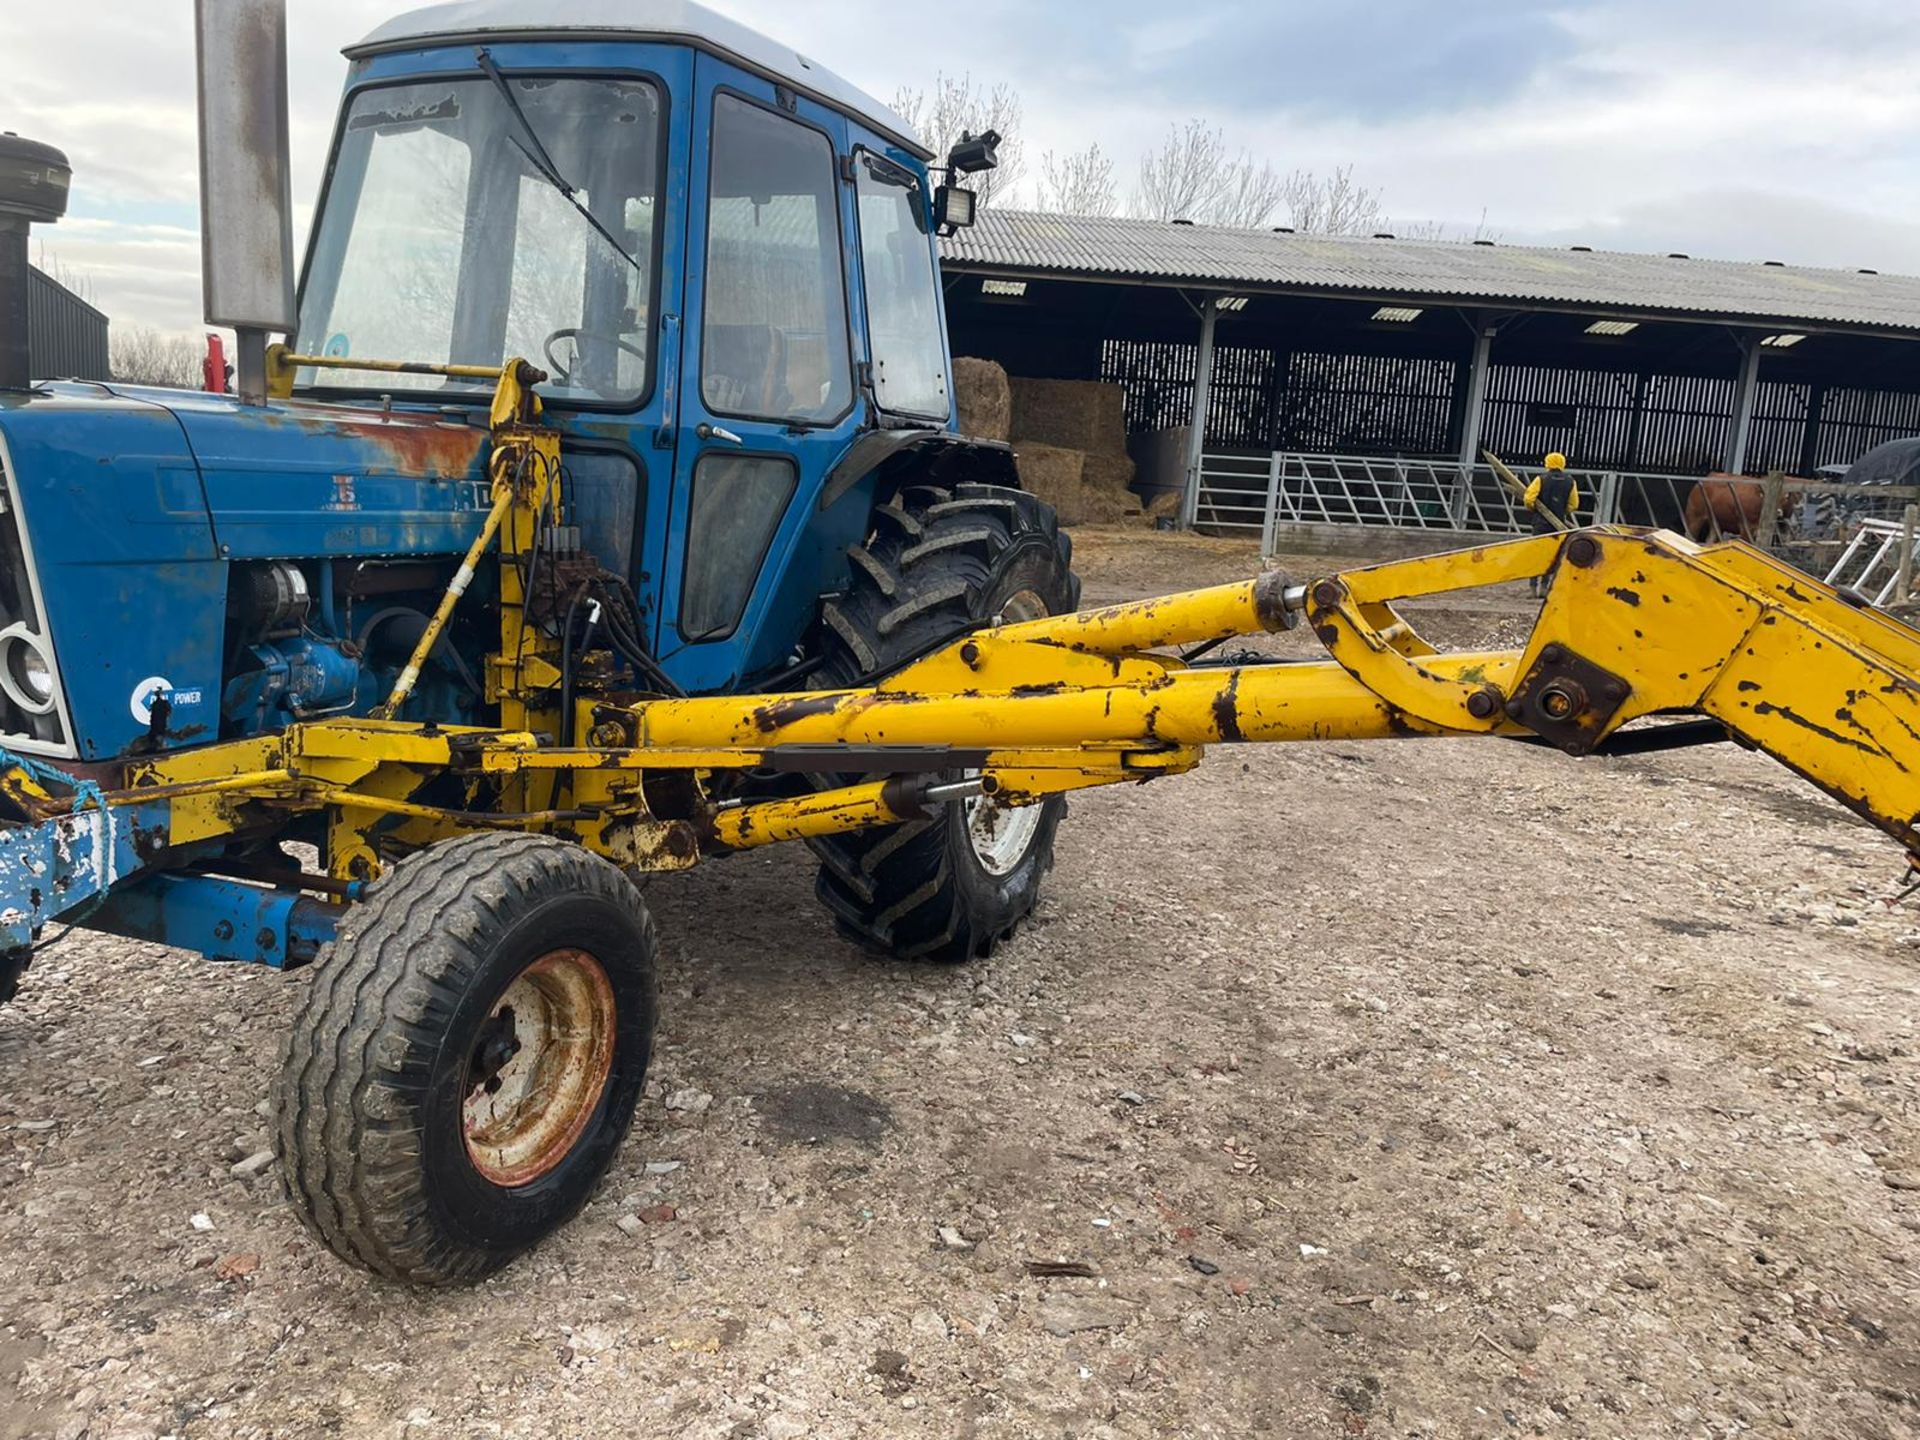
(1637, 623)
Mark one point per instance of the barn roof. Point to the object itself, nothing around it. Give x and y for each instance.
(1154, 252)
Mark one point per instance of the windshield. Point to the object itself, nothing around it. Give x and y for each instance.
(903, 293)
(441, 239)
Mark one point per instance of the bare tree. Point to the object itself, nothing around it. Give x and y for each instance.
(1179, 180)
(1193, 176)
(79, 282)
(956, 107)
(1335, 204)
(142, 356)
(1080, 183)
(1248, 194)
(1440, 230)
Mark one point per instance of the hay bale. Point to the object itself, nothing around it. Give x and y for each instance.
(1054, 475)
(1111, 474)
(986, 401)
(1103, 507)
(1086, 415)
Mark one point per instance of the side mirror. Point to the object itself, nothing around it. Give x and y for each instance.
(952, 208)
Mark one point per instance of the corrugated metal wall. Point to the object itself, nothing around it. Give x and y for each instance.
(67, 335)
(1365, 405)
(1603, 419)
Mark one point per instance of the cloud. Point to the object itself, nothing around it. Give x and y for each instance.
(1746, 128)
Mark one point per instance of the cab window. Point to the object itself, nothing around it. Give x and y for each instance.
(444, 239)
(903, 290)
(774, 339)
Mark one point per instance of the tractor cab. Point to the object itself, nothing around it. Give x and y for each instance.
(722, 255)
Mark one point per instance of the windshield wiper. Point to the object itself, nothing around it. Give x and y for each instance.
(542, 162)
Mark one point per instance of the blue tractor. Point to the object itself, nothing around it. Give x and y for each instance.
(720, 262)
(604, 516)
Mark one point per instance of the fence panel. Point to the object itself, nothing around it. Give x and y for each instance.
(1243, 492)
(1815, 522)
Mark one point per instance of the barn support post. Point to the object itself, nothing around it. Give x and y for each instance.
(1743, 398)
(1636, 428)
(1810, 437)
(1202, 398)
(1473, 412)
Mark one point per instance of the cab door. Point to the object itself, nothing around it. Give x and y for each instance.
(770, 395)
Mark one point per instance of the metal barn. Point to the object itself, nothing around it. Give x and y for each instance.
(1321, 361)
(66, 336)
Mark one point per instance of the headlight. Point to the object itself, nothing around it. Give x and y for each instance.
(26, 671)
(35, 673)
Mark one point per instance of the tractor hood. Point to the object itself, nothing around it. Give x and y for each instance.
(299, 479)
(123, 510)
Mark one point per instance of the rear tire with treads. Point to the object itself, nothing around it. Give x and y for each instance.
(937, 563)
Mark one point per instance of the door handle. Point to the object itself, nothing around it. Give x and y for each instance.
(717, 432)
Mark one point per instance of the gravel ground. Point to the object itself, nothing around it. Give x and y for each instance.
(1424, 1089)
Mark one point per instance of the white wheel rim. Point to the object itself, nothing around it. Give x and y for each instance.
(1001, 834)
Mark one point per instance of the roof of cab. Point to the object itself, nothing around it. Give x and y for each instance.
(677, 21)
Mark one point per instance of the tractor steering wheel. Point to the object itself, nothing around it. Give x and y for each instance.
(561, 373)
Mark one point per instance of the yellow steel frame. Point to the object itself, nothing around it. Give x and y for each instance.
(1636, 624)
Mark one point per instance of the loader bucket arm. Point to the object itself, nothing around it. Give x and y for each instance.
(1636, 624)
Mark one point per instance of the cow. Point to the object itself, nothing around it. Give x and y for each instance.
(1729, 506)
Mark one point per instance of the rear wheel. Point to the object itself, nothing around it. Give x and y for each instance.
(938, 563)
(468, 1056)
(13, 965)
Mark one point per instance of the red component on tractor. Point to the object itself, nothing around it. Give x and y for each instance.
(216, 365)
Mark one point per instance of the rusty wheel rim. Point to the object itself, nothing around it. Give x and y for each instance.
(539, 1067)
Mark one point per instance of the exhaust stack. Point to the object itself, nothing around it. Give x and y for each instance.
(246, 206)
(34, 179)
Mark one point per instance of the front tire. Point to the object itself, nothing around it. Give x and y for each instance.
(467, 1059)
(939, 563)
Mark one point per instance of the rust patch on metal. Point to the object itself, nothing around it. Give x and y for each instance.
(1226, 710)
(1269, 600)
(428, 449)
(1793, 717)
(539, 1067)
(1396, 719)
(768, 718)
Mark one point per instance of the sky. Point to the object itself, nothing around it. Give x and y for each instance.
(1738, 129)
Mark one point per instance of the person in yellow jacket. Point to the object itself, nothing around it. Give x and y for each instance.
(1552, 493)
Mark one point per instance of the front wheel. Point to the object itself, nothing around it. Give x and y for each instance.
(468, 1056)
(937, 563)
